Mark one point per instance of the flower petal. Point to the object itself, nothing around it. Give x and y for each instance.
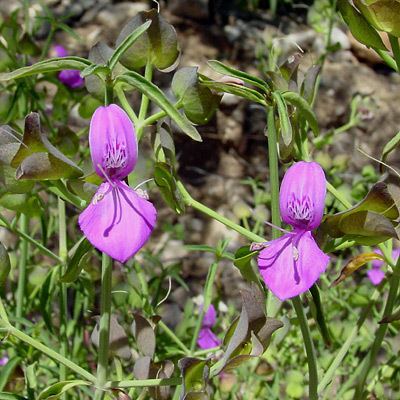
(112, 141)
(302, 195)
(375, 275)
(118, 221)
(207, 339)
(291, 264)
(71, 78)
(210, 317)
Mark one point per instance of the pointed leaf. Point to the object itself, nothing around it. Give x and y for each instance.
(158, 44)
(286, 127)
(5, 267)
(195, 373)
(76, 263)
(38, 159)
(354, 264)
(156, 95)
(226, 70)
(55, 391)
(51, 65)
(144, 335)
(303, 108)
(359, 26)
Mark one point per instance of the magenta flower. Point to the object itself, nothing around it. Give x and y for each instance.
(291, 264)
(119, 220)
(376, 274)
(69, 77)
(207, 338)
(3, 361)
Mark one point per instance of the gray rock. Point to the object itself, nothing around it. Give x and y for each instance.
(195, 9)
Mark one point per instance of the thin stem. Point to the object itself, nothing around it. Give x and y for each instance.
(148, 75)
(158, 115)
(333, 368)
(175, 338)
(11, 330)
(23, 257)
(273, 172)
(380, 333)
(338, 195)
(189, 201)
(206, 303)
(104, 324)
(125, 104)
(310, 351)
(29, 239)
(109, 92)
(63, 252)
(394, 42)
(143, 383)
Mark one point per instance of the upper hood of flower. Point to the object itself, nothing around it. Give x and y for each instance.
(113, 143)
(302, 195)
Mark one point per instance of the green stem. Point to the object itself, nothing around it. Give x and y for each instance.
(109, 92)
(143, 383)
(387, 58)
(24, 226)
(148, 75)
(25, 236)
(333, 368)
(338, 195)
(394, 42)
(157, 116)
(104, 325)
(63, 253)
(11, 330)
(273, 172)
(175, 338)
(206, 302)
(310, 351)
(380, 333)
(125, 104)
(189, 201)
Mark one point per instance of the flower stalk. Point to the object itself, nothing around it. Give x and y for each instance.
(104, 325)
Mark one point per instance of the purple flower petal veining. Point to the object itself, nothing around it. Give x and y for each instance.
(291, 264)
(118, 221)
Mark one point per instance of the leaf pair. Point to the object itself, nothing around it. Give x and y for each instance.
(369, 222)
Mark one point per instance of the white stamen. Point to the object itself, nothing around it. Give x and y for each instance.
(276, 227)
(143, 183)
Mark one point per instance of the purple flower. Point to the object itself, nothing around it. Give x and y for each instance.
(3, 361)
(118, 221)
(207, 338)
(69, 77)
(376, 274)
(291, 264)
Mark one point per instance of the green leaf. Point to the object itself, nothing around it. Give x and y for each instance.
(163, 144)
(369, 222)
(307, 89)
(144, 335)
(5, 267)
(156, 95)
(55, 391)
(7, 370)
(99, 54)
(249, 336)
(303, 108)
(51, 65)
(226, 70)
(195, 373)
(286, 126)
(359, 26)
(38, 159)
(164, 177)
(88, 105)
(199, 102)
(126, 43)
(237, 90)
(23, 203)
(11, 396)
(389, 147)
(158, 44)
(77, 261)
(243, 257)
